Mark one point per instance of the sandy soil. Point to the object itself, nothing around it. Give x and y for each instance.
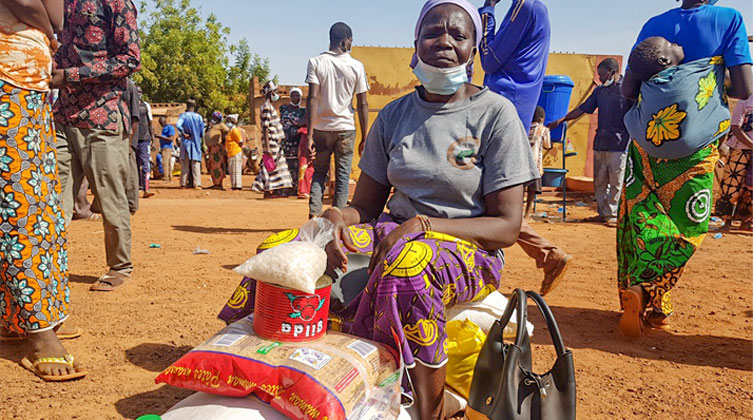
(699, 369)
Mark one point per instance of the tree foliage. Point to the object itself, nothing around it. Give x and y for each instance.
(185, 55)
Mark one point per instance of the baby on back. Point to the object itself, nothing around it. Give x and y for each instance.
(654, 55)
(681, 107)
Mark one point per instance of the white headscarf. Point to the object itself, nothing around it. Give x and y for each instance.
(300, 93)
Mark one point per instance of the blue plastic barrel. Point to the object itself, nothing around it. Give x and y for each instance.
(553, 177)
(555, 99)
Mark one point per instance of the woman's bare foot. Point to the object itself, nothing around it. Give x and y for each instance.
(633, 306)
(45, 344)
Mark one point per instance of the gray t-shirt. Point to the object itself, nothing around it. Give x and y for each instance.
(443, 159)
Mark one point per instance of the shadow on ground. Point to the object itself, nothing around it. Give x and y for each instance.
(152, 402)
(212, 230)
(597, 329)
(78, 278)
(155, 357)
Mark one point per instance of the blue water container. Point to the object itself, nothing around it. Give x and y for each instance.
(555, 99)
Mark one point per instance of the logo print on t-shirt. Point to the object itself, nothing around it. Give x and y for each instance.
(463, 154)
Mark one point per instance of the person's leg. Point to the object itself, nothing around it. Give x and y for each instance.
(601, 183)
(196, 173)
(321, 170)
(108, 171)
(616, 175)
(185, 169)
(732, 184)
(142, 160)
(343, 162)
(69, 171)
(167, 154)
(548, 256)
(293, 168)
(81, 206)
(530, 198)
(236, 170)
(132, 182)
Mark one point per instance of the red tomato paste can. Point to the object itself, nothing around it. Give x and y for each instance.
(292, 316)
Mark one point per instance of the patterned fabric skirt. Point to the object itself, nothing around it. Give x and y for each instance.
(217, 163)
(664, 216)
(735, 200)
(277, 179)
(34, 293)
(235, 168)
(406, 296)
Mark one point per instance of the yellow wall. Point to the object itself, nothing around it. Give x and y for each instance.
(390, 77)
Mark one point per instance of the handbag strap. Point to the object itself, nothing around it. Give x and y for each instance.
(551, 323)
(518, 302)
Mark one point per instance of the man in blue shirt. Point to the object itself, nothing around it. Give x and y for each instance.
(191, 127)
(515, 57)
(166, 140)
(611, 141)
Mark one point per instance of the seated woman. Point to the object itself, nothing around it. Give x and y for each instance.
(456, 157)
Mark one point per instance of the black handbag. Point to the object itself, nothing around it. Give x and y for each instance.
(504, 386)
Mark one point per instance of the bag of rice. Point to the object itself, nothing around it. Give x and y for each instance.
(293, 265)
(337, 377)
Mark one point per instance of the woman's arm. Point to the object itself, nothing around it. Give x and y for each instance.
(741, 79)
(497, 229)
(368, 202)
(55, 13)
(32, 13)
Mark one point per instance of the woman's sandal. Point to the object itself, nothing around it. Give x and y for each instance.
(657, 321)
(109, 282)
(66, 360)
(631, 322)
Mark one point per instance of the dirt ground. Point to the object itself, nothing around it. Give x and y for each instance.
(699, 369)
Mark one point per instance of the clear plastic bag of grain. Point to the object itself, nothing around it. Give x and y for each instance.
(293, 265)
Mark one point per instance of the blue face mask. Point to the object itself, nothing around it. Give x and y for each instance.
(441, 81)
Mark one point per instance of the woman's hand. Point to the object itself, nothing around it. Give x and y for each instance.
(58, 79)
(335, 255)
(385, 245)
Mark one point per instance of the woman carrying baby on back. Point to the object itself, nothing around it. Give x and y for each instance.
(675, 76)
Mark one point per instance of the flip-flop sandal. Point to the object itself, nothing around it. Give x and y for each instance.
(61, 336)
(66, 360)
(631, 323)
(550, 284)
(109, 282)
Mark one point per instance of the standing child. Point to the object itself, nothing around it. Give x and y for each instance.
(233, 143)
(539, 138)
